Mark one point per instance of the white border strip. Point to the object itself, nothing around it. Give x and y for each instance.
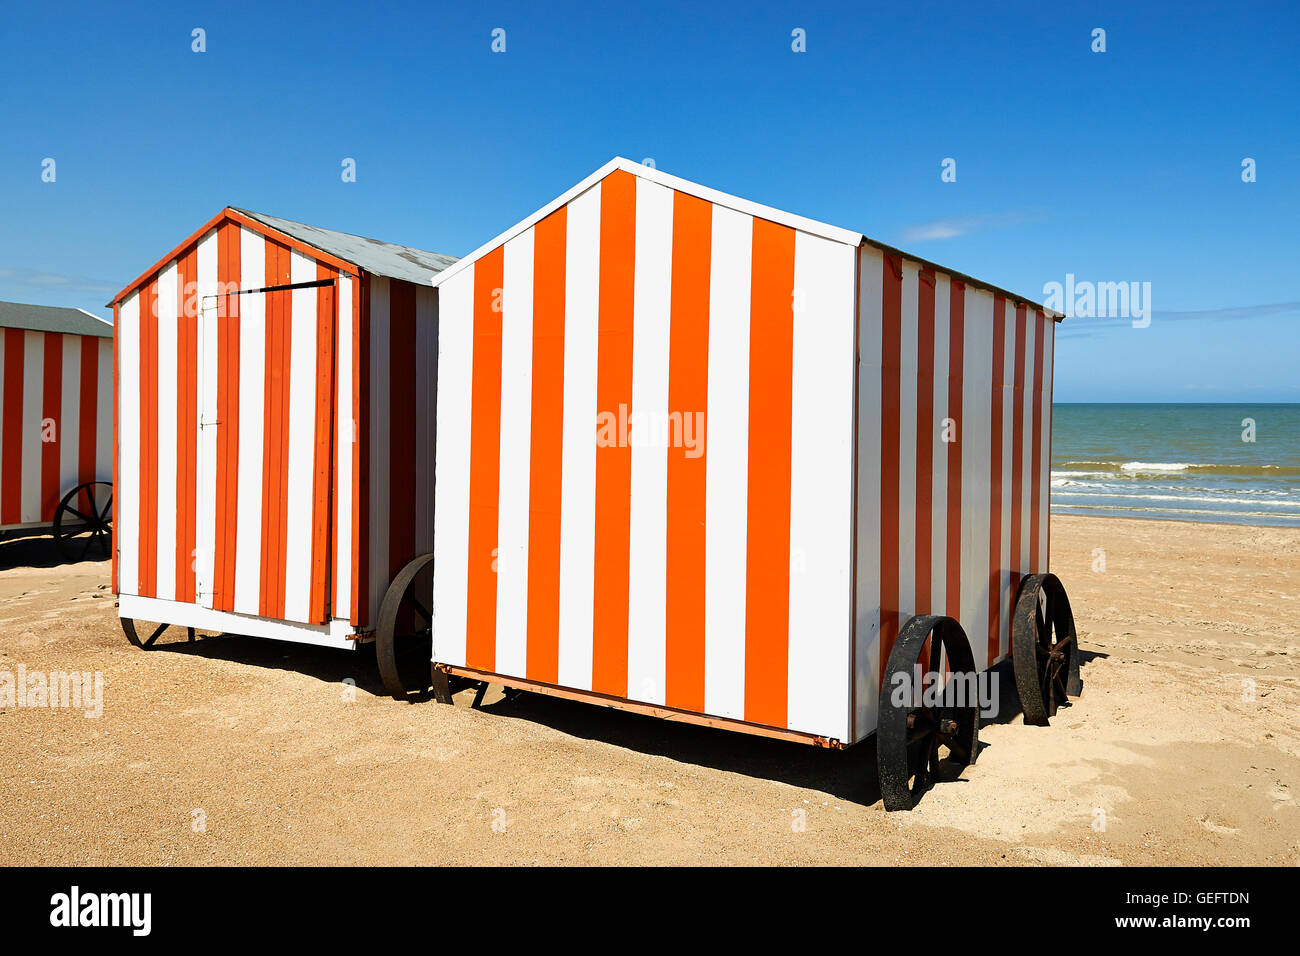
(336, 634)
(757, 210)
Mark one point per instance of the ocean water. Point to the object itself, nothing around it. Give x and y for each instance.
(1178, 462)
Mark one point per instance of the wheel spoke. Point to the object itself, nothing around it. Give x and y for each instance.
(156, 634)
(72, 510)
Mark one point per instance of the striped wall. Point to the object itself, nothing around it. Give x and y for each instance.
(56, 432)
(945, 527)
(401, 368)
(713, 578)
(235, 427)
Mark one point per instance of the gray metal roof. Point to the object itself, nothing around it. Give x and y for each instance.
(378, 258)
(53, 318)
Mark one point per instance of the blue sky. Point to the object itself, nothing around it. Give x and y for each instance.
(1115, 166)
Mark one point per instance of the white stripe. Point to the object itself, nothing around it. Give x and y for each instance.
(578, 473)
(426, 391)
(165, 539)
(821, 488)
(206, 483)
(939, 458)
(381, 338)
(252, 423)
(1049, 342)
(346, 446)
(104, 413)
(516, 427)
(451, 516)
(907, 438)
(302, 443)
(866, 680)
(648, 541)
(127, 527)
(1008, 411)
(69, 433)
(974, 431)
(33, 423)
(727, 472)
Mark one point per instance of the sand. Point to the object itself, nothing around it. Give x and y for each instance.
(238, 751)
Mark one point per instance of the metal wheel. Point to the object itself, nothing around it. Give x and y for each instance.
(922, 728)
(404, 635)
(1044, 648)
(134, 637)
(83, 522)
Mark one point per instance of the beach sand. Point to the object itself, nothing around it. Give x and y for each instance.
(237, 751)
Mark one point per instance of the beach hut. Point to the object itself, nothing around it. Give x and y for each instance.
(56, 432)
(708, 460)
(275, 430)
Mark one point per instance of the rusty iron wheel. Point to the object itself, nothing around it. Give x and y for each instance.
(404, 634)
(83, 523)
(128, 628)
(915, 739)
(1044, 649)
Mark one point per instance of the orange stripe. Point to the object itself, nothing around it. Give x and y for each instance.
(1036, 463)
(186, 426)
(925, 426)
(956, 375)
(11, 460)
(890, 401)
(227, 472)
(484, 463)
(546, 452)
(322, 565)
(613, 453)
(995, 480)
(688, 394)
(51, 410)
(149, 372)
(279, 307)
(282, 464)
(1015, 559)
(767, 549)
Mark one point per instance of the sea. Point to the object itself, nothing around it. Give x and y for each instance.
(1227, 463)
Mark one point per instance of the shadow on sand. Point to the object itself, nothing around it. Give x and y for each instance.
(848, 774)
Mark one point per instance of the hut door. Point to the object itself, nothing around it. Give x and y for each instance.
(266, 451)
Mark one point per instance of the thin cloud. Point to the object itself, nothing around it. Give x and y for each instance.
(963, 225)
(1083, 326)
(56, 282)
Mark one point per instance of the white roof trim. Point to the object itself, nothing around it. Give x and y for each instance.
(757, 210)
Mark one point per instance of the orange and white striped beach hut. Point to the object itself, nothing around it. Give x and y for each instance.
(703, 458)
(56, 401)
(275, 416)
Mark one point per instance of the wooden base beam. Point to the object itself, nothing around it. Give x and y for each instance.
(636, 707)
